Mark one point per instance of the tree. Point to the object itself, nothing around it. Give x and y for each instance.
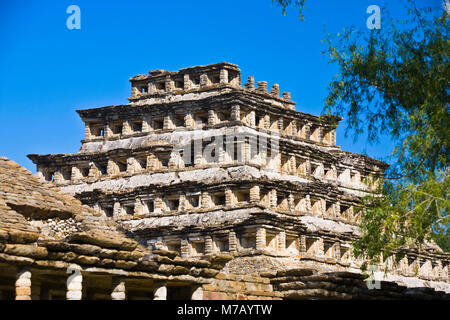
(394, 81)
(300, 4)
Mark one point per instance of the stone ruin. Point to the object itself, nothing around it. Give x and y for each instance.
(54, 248)
(198, 165)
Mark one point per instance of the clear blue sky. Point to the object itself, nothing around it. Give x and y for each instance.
(48, 71)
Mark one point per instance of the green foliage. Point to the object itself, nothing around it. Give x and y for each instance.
(300, 4)
(409, 214)
(443, 240)
(395, 81)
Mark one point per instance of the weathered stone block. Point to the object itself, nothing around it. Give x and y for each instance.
(125, 264)
(26, 250)
(107, 253)
(147, 266)
(87, 260)
(165, 268)
(102, 241)
(168, 253)
(22, 237)
(109, 263)
(86, 249)
(209, 273)
(180, 270)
